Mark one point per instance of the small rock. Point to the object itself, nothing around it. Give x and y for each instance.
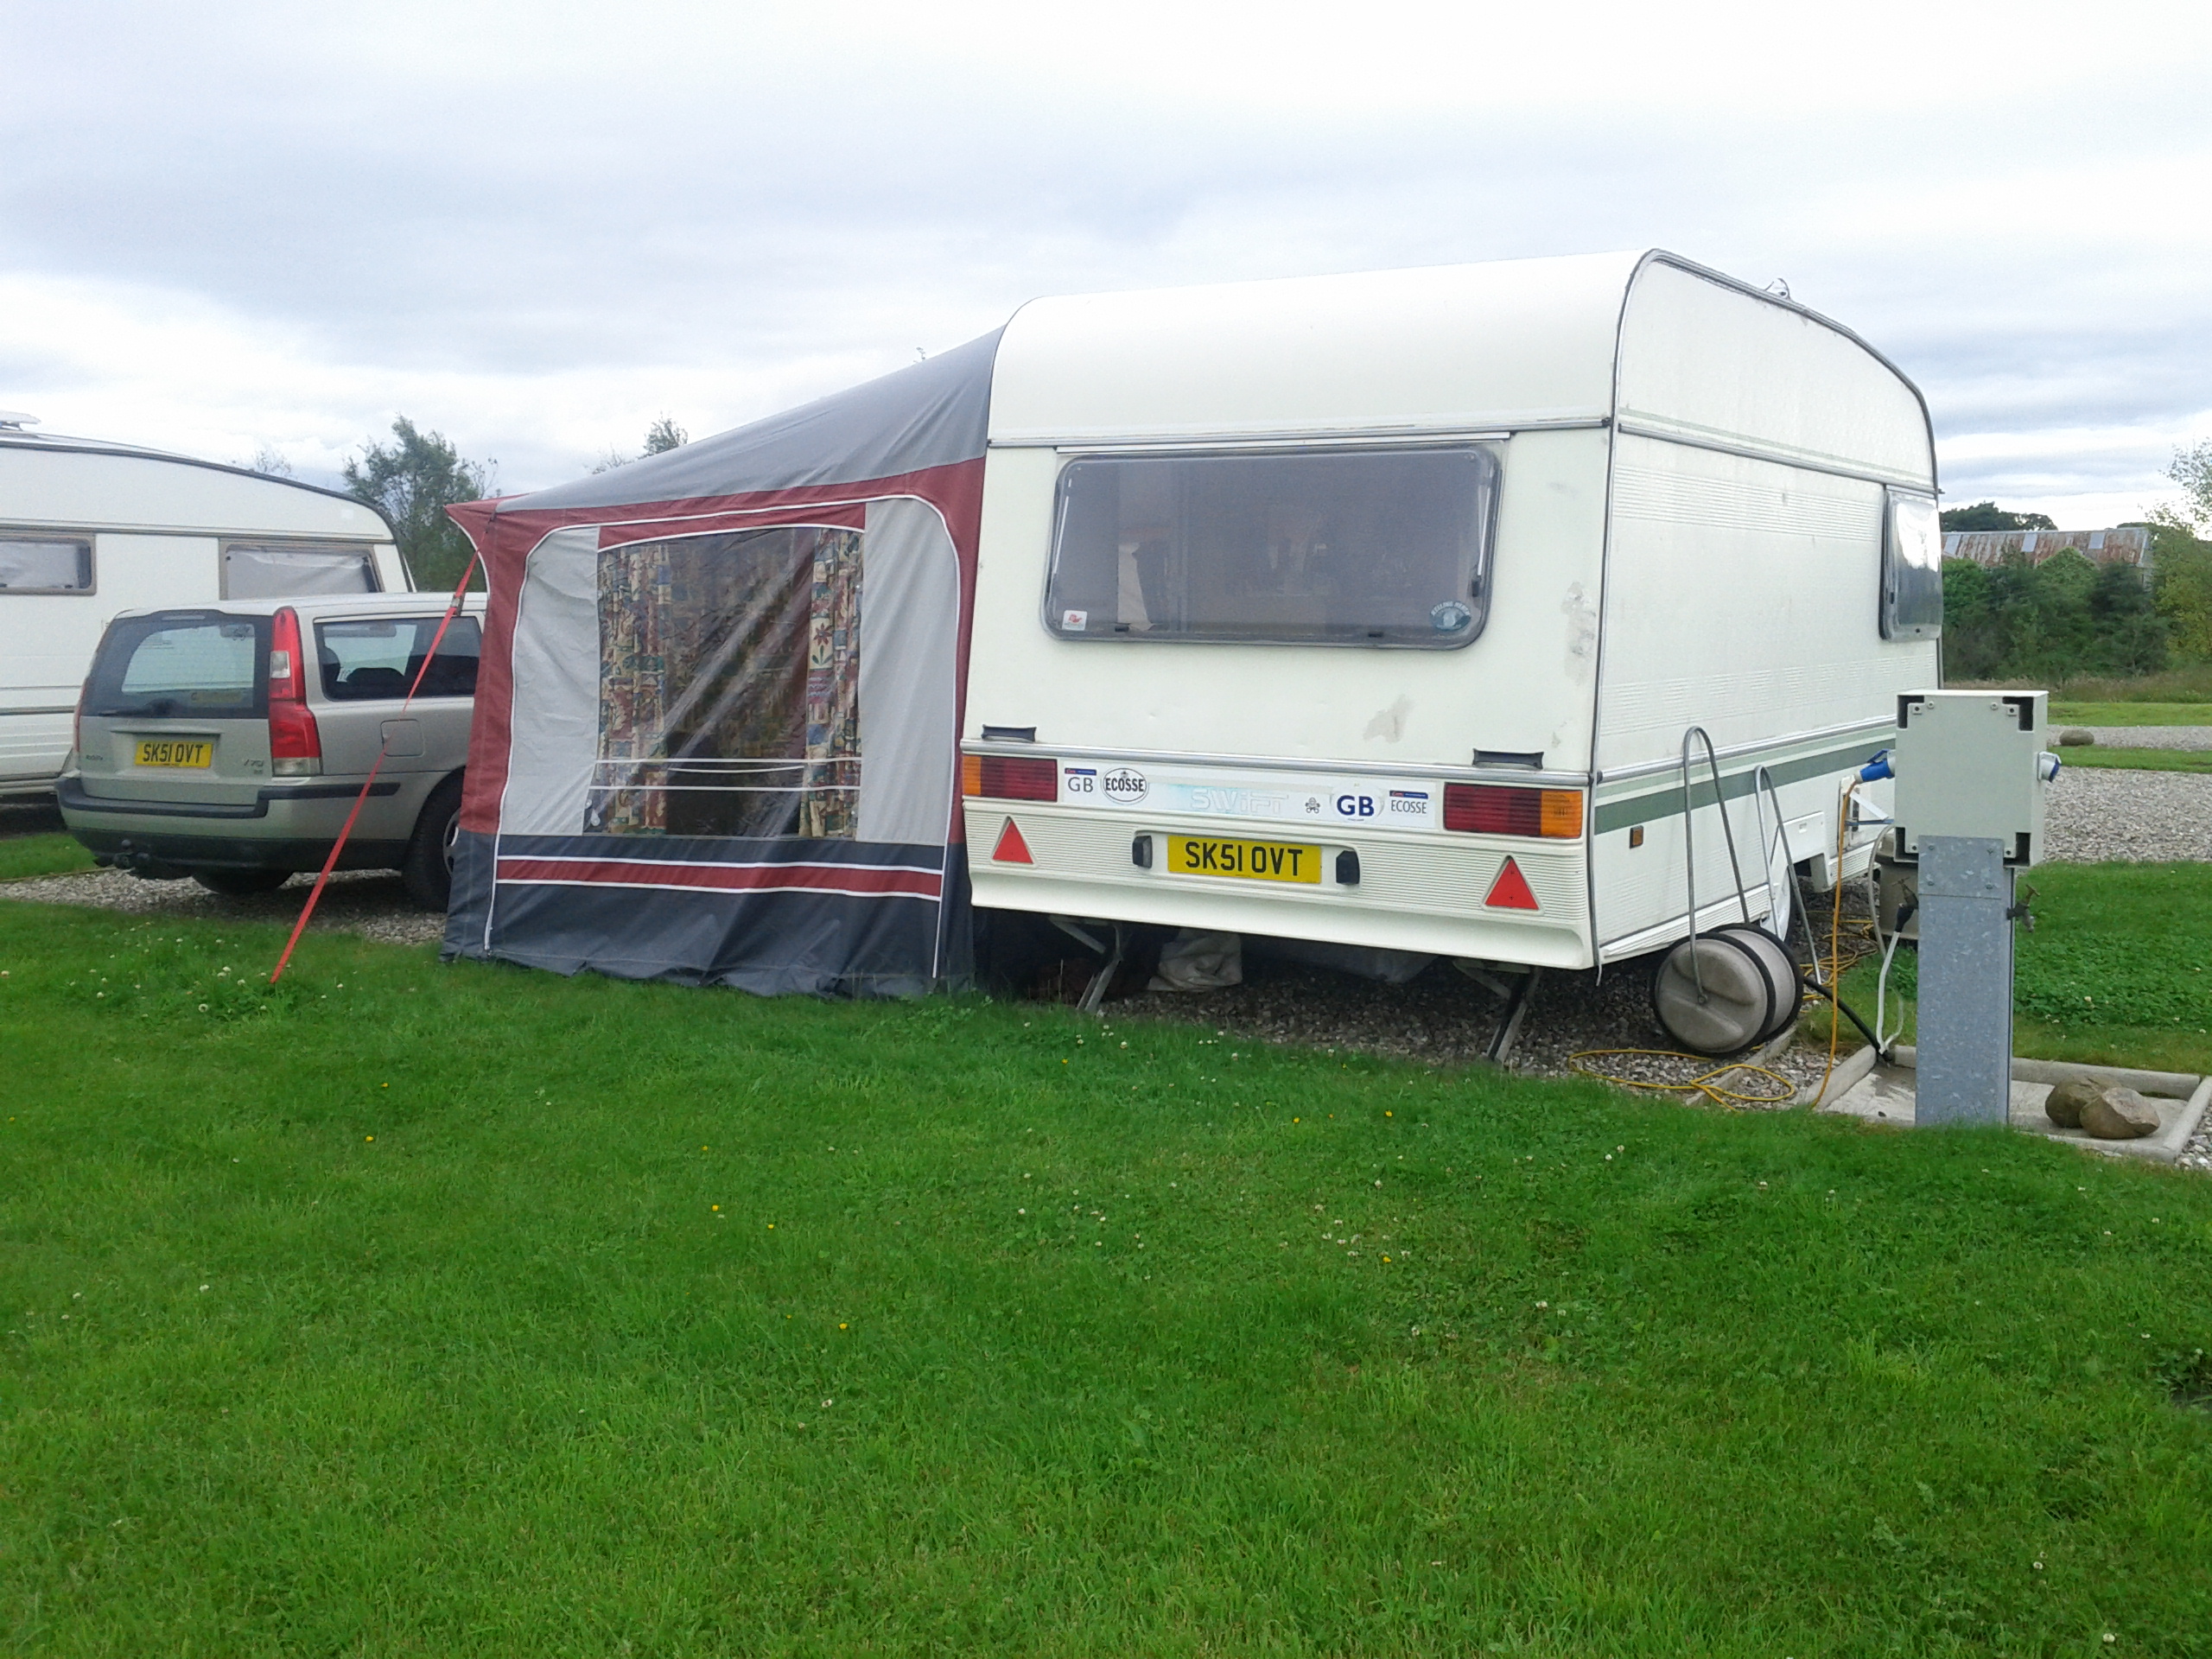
(2063, 1107)
(2075, 738)
(2119, 1115)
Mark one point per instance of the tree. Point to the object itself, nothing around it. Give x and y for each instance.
(2131, 635)
(412, 480)
(1988, 515)
(662, 436)
(2181, 565)
(2180, 559)
(2192, 470)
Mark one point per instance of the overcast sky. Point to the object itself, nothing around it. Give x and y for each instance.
(228, 227)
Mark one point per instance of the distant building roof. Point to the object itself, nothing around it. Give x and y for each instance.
(2126, 544)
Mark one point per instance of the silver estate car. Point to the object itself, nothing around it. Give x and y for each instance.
(228, 743)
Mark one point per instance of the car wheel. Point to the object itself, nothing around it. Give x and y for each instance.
(238, 884)
(428, 869)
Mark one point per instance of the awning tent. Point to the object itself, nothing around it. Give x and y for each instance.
(717, 718)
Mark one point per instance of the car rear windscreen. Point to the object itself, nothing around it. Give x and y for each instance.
(190, 665)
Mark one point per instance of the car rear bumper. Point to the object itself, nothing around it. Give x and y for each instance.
(74, 799)
(181, 854)
(283, 828)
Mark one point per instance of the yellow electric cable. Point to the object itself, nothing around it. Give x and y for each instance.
(1835, 940)
(1705, 1084)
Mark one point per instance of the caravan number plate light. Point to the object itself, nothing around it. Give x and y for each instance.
(1248, 861)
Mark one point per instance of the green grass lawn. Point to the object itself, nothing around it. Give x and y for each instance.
(49, 854)
(408, 1309)
(2115, 759)
(2130, 713)
(2118, 971)
(2191, 682)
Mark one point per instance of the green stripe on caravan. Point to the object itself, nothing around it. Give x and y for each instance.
(1666, 802)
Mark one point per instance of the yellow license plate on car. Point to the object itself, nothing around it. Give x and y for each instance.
(1247, 860)
(166, 751)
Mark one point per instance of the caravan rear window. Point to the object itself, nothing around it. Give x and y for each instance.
(1311, 547)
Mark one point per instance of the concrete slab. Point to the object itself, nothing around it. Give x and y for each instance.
(1885, 1094)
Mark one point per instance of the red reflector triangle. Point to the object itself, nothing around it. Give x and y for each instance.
(1510, 892)
(1012, 849)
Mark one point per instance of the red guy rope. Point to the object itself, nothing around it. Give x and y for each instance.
(339, 846)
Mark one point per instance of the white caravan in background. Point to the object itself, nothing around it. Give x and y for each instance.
(88, 529)
(1379, 610)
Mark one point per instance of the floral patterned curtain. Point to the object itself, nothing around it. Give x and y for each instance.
(728, 686)
(831, 805)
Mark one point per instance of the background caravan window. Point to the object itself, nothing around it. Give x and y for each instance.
(1912, 569)
(281, 569)
(1318, 547)
(729, 686)
(45, 564)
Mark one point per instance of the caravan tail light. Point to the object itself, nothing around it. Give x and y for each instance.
(1494, 809)
(1009, 778)
(294, 741)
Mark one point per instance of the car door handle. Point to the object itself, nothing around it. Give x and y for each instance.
(403, 738)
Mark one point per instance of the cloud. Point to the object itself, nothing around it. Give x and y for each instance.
(536, 227)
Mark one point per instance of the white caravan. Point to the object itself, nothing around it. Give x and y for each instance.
(88, 529)
(1380, 609)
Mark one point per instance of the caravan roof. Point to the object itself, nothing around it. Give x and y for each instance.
(74, 483)
(1521, 344)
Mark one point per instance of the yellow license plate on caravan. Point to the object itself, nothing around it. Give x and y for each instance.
(163, 752)
(1248, 861)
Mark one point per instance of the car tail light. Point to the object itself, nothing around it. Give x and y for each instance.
(294, 741)
(77, 723)
(1009, 778)
(1494, 809)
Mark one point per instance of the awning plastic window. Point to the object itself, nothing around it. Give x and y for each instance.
(729, 678)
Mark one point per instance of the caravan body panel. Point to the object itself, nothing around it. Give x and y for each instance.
(1688, 532)
(1755, 451)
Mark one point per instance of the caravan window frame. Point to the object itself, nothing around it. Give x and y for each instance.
(87, 546)
(1906, 583)
(1478, 572)
(364, 551)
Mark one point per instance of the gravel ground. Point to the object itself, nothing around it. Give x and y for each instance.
(2147, 737)
(2135, 817)
(1443, 1018)
(369, 902)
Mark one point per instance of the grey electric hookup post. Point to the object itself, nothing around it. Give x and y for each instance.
(1971, 768)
